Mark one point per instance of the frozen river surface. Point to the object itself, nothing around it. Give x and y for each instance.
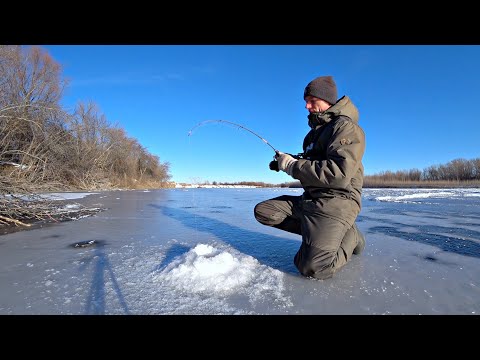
(200, 251)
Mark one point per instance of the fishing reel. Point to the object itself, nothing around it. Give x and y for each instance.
(274, 163)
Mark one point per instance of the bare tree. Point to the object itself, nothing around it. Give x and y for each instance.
(30, 90)
(476, 168)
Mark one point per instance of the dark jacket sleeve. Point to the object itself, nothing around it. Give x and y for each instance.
(344, 154)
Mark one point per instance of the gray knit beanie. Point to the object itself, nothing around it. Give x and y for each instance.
(323, 87)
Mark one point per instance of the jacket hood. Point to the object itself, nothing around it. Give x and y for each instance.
(343, 107)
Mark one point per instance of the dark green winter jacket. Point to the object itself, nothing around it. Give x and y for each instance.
(332, 163)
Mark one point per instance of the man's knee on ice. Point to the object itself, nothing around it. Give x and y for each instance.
(314, 263)
(308, 269)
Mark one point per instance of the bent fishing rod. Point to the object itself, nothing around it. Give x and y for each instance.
(234, 124)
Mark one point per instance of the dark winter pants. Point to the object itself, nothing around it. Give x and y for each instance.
(327, 241)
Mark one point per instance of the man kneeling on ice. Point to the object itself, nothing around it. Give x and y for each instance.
(330, 171)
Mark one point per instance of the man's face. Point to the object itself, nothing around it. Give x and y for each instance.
(313, 104)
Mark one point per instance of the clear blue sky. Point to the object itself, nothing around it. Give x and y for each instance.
(415, 102)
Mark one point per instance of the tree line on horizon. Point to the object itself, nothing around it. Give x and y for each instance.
(457, 172)
(45, 147)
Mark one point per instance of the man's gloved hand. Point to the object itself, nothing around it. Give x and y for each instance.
(285, 162)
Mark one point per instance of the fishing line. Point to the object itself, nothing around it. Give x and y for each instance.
(226, 122)
(234, 124)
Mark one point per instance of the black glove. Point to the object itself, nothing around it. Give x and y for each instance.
(274, 165)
